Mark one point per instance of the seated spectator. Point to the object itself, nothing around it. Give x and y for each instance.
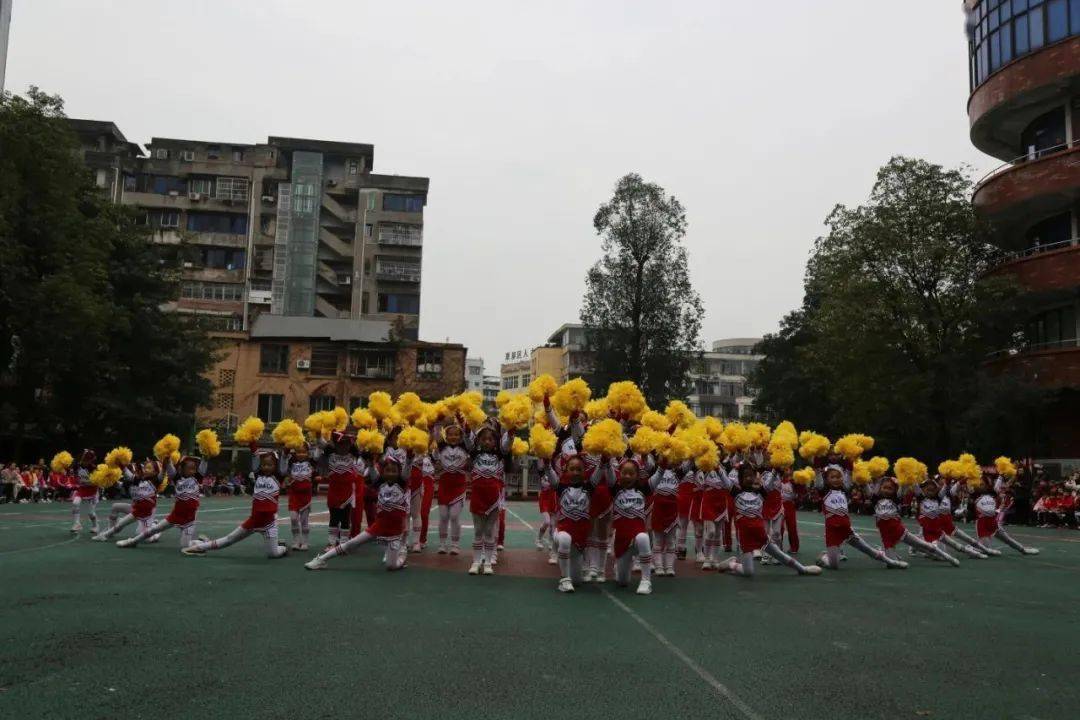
(236, 484)
(207, 485)
(10, 478)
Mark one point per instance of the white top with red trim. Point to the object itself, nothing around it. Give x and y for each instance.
(886, 509)
(986, 505)
(187, 488)
(451, 459)
(264, 497)
(748, 504)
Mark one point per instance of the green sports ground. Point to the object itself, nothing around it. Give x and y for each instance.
(93, 631)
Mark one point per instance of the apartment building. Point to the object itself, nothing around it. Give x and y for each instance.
(291, 226)
(719, 382)
(474, 374)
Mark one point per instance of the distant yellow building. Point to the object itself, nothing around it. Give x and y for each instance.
(563, 357)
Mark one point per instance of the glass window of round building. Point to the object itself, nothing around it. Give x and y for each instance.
(1000, 31)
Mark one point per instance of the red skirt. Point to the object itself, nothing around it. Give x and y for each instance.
(773, 505)
(451, 488)
(931, 528)
(86, 491)
(947, 525)
(891, 529)
(259, 520)
(986, 526)
(626, 529)
(837, 530)
(388, 524)
(685, 499)
(751, 533)
(600, 502)
(143, 509)
(340, 491)
(665, 512)
(695, 505)
(183, 513)
(714, 504)
(484, 496)
(578, 529)
(548, 501)
(299, 496)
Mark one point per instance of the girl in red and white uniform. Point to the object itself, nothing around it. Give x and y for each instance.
(391, 516)
(85, 494)
(948, 526)
(772, 508)
(887, 517)
(452, 461)
(750, 527)
(714, 512)
(548, 504)
(421, 474)
(143, 501)
(789, 494)
(264, 507)
(665, 516)
(344, 472)
(988, 523)
(298, 469)
(632, 541)
(185, 507)
(491, 448)
(934, 516)
(574, 490)
(689, 514)
(835, 483)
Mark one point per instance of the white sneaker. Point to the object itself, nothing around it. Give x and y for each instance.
(442, 549)
(670, 572)
(991, 551)
(125, 543)
(1031, 551)
(499, 547)
(644, 587)
(494, 560)
(302, 546)
(812, 570)
(953, 561)
(590, 575)
(488, 569)
(474, 569)
(193, 551)
(707, 565)
(153, 538)
(700, 557)
(539, 545)
(315, 563)
(635, 566)
(455, 549)
(566, 586)
(99, 538)
(600, 578)
(552, 559)
(76, 528)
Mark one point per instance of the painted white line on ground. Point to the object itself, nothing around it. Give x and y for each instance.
(522, 520)
(39, 547)
(701, 672)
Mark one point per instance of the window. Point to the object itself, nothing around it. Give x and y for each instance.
(232, 188)
(364, 304)
(1044, 134)
(510, 382)
(213, 152)
(161, 184)
(161, 154)
(1053, 329)
(367, 230)
(1048, 234)
(217, 323)
(129, 183)
(324, 360)
(318, 403)
(201, 185)
(371, 201)
(232, 292)
(169, 219)
(403, 203)
(237, 156)
(187, 155)
(228, 223)
(354, 167)
(475, 369)
(372, 364)
(221, 258)
(271, 408)
(273, 358)
(398, 303)
(1009, 29)
(429, 362)
(1057, 20)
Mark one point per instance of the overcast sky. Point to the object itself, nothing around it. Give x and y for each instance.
(759, 116)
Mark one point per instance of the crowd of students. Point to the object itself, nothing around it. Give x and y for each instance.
(32, 483)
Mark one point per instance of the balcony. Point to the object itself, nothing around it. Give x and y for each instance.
(397, 271)
(1030, 186)
(1050, 365)
(403, 235)
(1055, 266)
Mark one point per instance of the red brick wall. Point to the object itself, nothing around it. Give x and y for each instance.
(1057, 174)
(1052, 65)
(1048, 368)
(1054, 270)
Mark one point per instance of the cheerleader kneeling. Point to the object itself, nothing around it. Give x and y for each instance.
(632, 542)
(750, 528)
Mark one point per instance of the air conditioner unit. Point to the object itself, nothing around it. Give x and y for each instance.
(268, 199)
(194, 196)
(345, 279)
(188, 266)
(331, 183)
(303, 364)
(188, 155)
(174, 193)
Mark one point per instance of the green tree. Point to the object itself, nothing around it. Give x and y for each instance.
(641, 314)
(899, 319)
(89, 356)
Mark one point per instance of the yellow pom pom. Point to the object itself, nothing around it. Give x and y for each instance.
(516, 413)
(379, 405)
(118, 457)
(105, 477)
(713, 428)
(363, 419)
(645, 440)
(673, 450)
(571, 397)
(877, 466)
(709, 459)
(209, 445)
(371, 441)
(473, 397)
(655, 420)
(909, 471)
(502, 398)
(61, 461)
(1005, 467)
(604, 438)
(414, 440)
(785, 432)
(341, 418)
(678, 414)
(696, 439)
(321, 423)
(812, 445)
(625, 399)
(850, 446)
(735, 438)
(803, 477)
(780, 453)
(597, 409)
(249, 431)
(541, 387)
(760, 434)
(519, 447)
(968, 459)
(288, 433)
(410, 406)
(541, 442)
(860, 472)
(474, 416)
(167, 447)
